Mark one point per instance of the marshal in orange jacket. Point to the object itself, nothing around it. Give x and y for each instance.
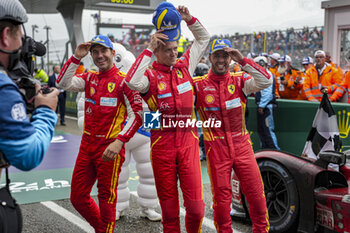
(346, 84)
(293, 89)
(330, 79)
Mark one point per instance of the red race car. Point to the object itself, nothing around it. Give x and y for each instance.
(302, 195)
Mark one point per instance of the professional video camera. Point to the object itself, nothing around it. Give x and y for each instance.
(22, 72)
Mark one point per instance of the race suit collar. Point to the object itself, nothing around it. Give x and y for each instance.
(218, 77)
(165, 68)
(110, 71)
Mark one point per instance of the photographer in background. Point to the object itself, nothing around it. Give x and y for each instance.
(23, 142)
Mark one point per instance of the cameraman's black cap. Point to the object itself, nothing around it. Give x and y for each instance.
(13, 10)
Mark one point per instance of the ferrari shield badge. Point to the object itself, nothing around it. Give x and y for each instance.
(231, 88)
(111, 87)
(179, 74)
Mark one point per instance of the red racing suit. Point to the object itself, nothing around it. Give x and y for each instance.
(174, 149)
(223, 98)
(108, 102)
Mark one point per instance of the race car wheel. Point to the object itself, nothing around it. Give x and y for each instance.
(281, 196)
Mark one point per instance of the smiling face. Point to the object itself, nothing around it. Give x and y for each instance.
(220, 62)
(167, 54)
(102, 57)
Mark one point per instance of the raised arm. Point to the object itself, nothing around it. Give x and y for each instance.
(136, 78)
(66, 79)
(259, 80)
(200, 43)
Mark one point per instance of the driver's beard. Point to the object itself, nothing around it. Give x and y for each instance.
(281, 69)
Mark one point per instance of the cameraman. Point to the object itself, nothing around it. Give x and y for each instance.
(22, 141)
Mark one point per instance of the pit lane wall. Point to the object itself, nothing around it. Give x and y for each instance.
(293, 121)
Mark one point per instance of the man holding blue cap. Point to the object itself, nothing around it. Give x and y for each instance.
(167, 89)
(108, 102)
(222, 95)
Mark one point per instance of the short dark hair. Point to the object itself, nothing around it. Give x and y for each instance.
(7, 23)
(53, 68)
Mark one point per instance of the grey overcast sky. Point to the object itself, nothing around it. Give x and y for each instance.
(218, 16)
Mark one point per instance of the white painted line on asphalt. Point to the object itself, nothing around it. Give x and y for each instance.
(206, 221)
(70, 117)
(69, 216)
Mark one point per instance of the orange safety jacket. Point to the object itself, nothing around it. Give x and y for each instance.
(338, 68)
(292, 90)
(346, 84)
(330, 79)
(273, 70)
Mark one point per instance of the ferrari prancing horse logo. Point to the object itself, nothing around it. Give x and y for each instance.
(111, 87)
(231, 88)
(179, 74)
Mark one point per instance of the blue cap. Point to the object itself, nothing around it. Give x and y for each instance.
(167, 18)
(251, 55)
(102, 40)
(219, 44)
(307, 60)
(285, 58)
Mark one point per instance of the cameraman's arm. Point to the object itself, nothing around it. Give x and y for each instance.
(67, 80)
(24, 143)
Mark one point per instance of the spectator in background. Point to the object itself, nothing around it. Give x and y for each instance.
(23, 142)
(323, 78)
(251, 55)
(41, 76)
(234, 67)
(264, 55)
(273, 66)
(307, 63)
(273, 63)
(111, 37)
(329, 61)
(181, 46)
(61, 97)
(201, 69)
(81, 69)
(266, 103)
(289, 81)
(346, 84)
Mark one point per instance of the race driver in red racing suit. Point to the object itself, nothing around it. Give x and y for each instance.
(108, 102)
(222, 96)
(167, 88)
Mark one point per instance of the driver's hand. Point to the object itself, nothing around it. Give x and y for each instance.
(112, 150)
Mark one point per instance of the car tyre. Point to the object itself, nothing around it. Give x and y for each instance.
(281, 196)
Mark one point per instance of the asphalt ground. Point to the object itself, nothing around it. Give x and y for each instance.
(60, 216)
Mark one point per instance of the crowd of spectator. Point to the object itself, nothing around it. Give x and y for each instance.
(298, 43)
